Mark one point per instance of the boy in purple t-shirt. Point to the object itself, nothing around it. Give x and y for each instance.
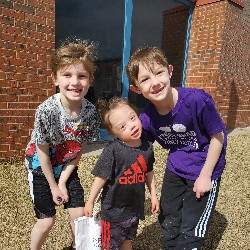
(186, 122)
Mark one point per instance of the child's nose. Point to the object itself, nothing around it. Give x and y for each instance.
(154, 81)
(74, 80)
(131, 125)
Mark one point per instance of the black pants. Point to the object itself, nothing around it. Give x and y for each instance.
(184, 219)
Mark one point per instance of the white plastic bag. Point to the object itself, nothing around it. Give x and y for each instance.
(88, 233)
(88, 229)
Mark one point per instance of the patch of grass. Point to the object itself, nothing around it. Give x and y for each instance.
(229, 228)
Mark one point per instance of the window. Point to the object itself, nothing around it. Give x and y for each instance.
(102, 22)
(147, 27)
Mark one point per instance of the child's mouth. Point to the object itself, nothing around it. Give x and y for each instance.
(158, 90)
(135, 132)
(75, 90)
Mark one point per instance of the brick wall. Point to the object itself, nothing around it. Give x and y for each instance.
(234, 73)
(219, 57)
(27, 36)
(218, 61)
(173, 40)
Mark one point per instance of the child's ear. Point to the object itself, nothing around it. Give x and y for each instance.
(134, 89)
(91, 79)
(53, 76)
(170, 70)
(111, 134)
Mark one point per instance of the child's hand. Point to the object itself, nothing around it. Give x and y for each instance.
(202, 185)
(63, 188)
(88, 209)
(154, 205)
(57, 196)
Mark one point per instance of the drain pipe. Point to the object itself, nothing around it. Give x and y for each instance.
(126, 45)
(184, 73)
(190, 14)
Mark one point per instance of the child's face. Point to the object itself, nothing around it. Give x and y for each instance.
(73, 82)
(153, 85)
(125, 124)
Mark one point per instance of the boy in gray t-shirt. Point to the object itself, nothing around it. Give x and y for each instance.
(63, 125)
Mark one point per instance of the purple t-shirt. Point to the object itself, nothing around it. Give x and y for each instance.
(186, 131)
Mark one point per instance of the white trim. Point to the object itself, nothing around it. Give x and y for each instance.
(30, 179)
(200, 229)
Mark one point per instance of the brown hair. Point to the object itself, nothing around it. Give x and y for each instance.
(146, 56)
(104, 108)
(74, 51)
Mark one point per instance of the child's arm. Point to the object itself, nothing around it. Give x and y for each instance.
(203, 183)
(44, 159)
(97, 185)
(150, 182)
(67, 171)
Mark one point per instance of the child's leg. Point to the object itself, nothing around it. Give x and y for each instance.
(127, 245)
(44, 209)
(196, 217)
(75, 205)
(40, 232)
(74, 214)
(172, 195)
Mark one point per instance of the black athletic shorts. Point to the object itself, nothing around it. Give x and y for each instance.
(44, 205)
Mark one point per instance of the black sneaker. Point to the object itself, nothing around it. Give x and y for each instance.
(71, 247)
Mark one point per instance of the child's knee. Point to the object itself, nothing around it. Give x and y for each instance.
(75, 212)
(46, 224)
(127, 245)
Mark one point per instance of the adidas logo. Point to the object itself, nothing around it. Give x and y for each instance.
(136, 174)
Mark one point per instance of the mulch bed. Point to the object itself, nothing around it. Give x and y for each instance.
(229, 228)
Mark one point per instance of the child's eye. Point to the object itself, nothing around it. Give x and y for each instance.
(66, 74)
(132, 118)
(143, 80)
(122, 127)
(160, 72)
(83, 76)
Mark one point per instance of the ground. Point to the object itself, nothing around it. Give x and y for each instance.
(229, 229)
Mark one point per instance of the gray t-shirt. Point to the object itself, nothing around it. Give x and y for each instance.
(125, 169)
(64, 134)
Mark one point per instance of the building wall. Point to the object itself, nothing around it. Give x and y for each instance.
(27, 37)
(173, 40)
(219, 57)
(218, 61)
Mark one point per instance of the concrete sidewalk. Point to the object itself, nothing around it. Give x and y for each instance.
(97, 147)
(238, 131)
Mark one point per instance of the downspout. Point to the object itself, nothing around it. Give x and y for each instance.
(190, 14)
(126, 45)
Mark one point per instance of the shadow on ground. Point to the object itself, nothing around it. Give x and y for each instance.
(216, 230)
(151, 238)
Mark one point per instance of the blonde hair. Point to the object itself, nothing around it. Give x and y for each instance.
(146, 56)
(104, 108)
(74, 51)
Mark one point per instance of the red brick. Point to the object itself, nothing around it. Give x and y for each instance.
(3, 105)
(4, 148)
(24, 8)
(35, 19)
(18, 105)
(35, 3)
(13, 13)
